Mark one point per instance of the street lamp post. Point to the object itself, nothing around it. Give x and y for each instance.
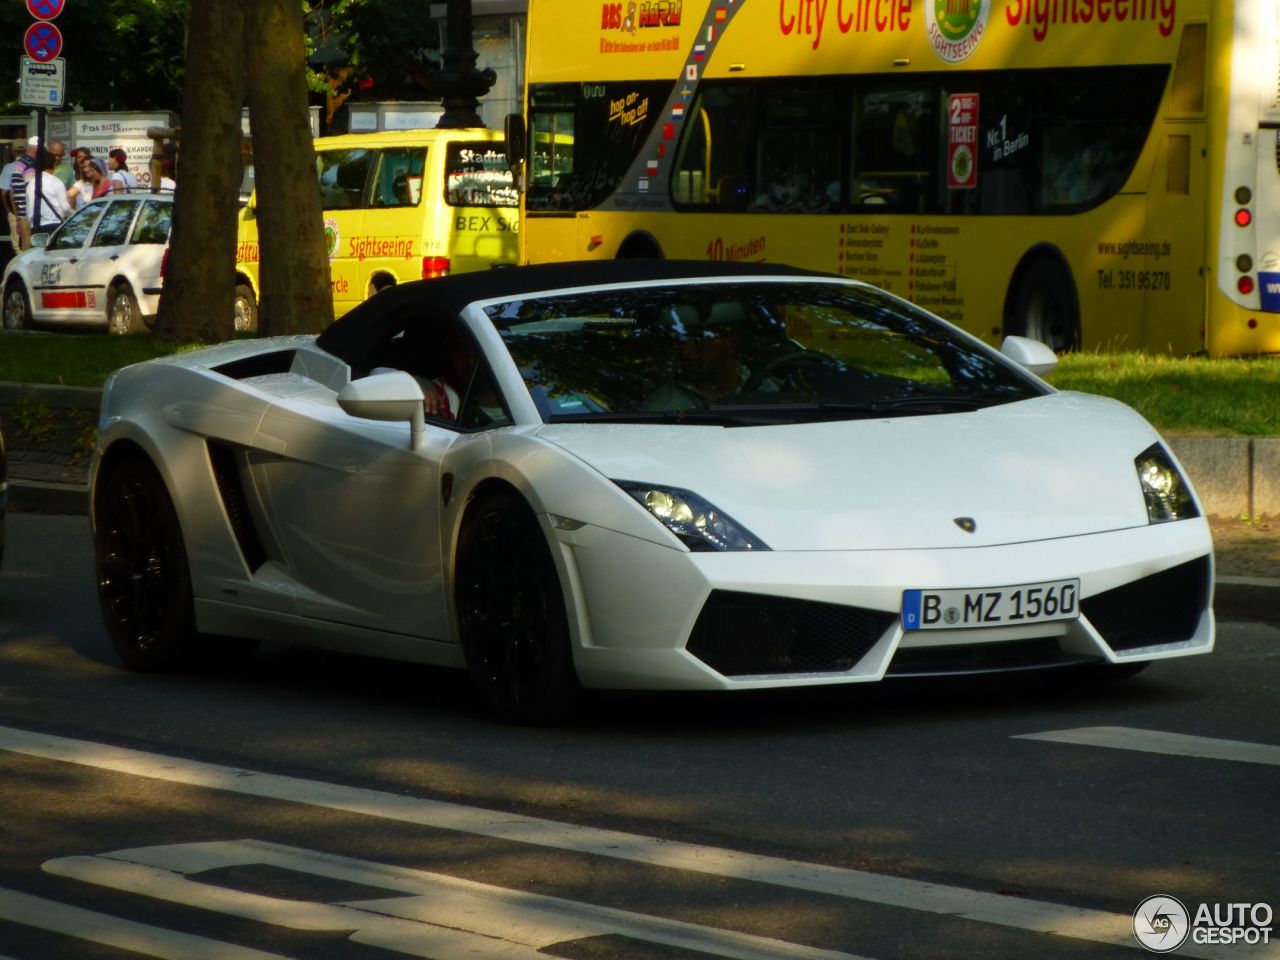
(460, 83)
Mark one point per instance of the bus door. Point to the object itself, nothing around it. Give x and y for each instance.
(549, 197)
(1169, 272)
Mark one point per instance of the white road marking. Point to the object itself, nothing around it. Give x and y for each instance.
(112, 931)
(430, 915)
(1020, 913)
(1157, 741)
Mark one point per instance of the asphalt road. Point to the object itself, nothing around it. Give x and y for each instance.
(324, 806)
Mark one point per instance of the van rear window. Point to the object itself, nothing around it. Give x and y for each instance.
(476, 175)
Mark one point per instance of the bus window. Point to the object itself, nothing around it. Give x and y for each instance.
(476, 175)
(572, 171)
(797, 151)
(1095, 125)
(894, 154)
(713, 164)
(398, 182)
(342, 177)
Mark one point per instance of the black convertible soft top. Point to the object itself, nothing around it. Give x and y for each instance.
(452, 293)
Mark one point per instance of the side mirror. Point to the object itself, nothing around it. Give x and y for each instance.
(516, 147)
(40, 239)
(1031, 354)
(392, 397)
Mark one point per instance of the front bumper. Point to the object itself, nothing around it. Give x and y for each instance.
(648, 616)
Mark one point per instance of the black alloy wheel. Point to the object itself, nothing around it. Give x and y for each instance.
(144, 584)
(511, 614)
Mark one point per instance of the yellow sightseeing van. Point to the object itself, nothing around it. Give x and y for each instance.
(401, 205)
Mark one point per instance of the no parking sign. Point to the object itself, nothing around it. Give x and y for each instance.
(42, 42)
(45, 9)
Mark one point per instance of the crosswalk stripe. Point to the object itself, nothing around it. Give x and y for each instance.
(1158, 741)
(423, 914)
(102, 928)
(1021, 913)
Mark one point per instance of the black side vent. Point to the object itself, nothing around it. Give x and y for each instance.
(226, 471)
(745, 634)
(258, 365)
(1162, 608)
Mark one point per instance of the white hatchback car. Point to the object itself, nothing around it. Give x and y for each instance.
(101, 267)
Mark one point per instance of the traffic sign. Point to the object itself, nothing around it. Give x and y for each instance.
(42, 84)
(42, 41)
(45, 9)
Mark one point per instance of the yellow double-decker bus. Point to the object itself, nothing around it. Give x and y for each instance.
(1091, 173)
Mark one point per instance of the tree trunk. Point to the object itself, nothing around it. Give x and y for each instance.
(198, 300)
(294, 295)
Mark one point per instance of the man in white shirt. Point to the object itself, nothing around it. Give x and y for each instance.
(55, 206)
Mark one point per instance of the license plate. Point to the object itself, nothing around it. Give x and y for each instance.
(991, 607)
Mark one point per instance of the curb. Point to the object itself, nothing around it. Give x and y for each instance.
(41, 496)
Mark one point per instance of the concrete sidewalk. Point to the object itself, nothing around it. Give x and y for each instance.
(1233, 476)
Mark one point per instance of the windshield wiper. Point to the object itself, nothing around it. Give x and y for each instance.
(942, 403)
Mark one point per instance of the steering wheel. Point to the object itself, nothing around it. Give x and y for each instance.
(792, 370)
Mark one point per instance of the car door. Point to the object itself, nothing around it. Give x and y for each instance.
(101, 259)
(356, 512)
(54, 273)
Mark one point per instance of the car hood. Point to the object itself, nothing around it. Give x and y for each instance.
(1056, 466)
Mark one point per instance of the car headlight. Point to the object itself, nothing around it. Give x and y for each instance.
(1163, 487)
(698, 524)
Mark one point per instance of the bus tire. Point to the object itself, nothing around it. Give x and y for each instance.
(1042, 304)
(246, 310)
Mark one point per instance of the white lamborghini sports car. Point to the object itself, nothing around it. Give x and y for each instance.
(642, 474)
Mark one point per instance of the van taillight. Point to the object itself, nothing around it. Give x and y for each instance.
(164, 263)
(433, 267)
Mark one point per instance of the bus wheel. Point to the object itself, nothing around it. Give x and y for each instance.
(1042, 305)
(246, 311)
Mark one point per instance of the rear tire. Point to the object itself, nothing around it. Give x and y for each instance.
(1042, 305)
(246, 320)
(511, 614)
(17, 307)
(123, 313)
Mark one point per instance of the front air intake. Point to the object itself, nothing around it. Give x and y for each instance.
(1162, 608)
(747, 634)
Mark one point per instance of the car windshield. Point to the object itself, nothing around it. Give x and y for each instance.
(747, 353)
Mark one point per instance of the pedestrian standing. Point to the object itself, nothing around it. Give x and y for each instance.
(6, 189)
(64, 171)
(54, 204)
(22, 174)
(122, 180)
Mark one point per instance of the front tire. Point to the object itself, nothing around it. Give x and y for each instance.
(17, 307)
(123, 313)
(511, 614)
(144, 583)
